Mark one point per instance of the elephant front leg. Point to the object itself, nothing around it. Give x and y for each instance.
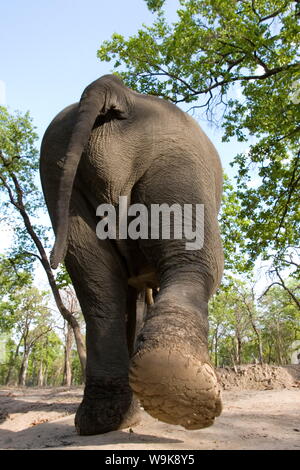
(100, 282)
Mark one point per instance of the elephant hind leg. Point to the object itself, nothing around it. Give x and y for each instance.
(100, 282)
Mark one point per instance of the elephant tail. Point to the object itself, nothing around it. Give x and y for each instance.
(108, 93)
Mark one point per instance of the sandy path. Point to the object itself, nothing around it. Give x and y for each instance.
(41, 419)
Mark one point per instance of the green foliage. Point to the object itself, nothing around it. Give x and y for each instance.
(63, 279)
(28, 323)
(10, 348)
(239, 322)
(239, 61)
(19, 187)
(27, 312)
(155, 5)
(229, 325)
(232, 227)
(47, 361)
(19, 156)
(213, 43)
(12, 279)
(77, 378)
(282, 324)
(21, 201)
(25, 317)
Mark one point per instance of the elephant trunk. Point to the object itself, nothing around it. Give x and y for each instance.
(87, 114)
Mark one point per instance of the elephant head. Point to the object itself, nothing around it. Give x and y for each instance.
(107, 94)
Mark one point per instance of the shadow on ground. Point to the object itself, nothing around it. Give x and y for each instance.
(61, 433)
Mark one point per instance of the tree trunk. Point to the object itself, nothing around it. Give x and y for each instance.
(46, 374)
(233, 362)
(233, 354)
(35, 372)
(259, 344)
(260, 350)
(40, 381)
(80, 347)
(67, 316)
(12, 363)
(23, 369)
(20, 206)
(238, 350)
(10, 370)
(216, 349)
(278, 344)
(67, 379)
(270, 352)
(259, 341)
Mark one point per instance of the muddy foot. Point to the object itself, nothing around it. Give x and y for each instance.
(107, 405)
(171, 374)
(176, 389)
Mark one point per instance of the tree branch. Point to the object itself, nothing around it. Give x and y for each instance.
(36, 338)
(291, 186)
(221, 83)
(20, 206)
(28, 253)
(292, 295)
(10, 193)
(268, 288)
(254, 9)
(284, 286)
(275, 13)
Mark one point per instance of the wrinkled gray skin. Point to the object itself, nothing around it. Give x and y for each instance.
(117, 142)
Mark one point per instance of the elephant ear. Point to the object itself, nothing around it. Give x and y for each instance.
(107, 94)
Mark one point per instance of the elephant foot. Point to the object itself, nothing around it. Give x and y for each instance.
(108, 405)
(170, 371)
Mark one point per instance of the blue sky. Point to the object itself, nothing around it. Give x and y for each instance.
(48, 49)
(48, 54)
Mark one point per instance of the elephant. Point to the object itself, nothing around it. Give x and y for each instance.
(118, 142)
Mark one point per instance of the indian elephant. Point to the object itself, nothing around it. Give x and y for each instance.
(117, 142)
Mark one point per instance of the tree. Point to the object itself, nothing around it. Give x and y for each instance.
(217, 325)
(46, 361)
(248, 300)
(292, 289)
(216, 51)
(12, 279)
(229, 321)
(281, 319)
(29, 321)
(18, 172)
(32, 323)
(71, 302)
(232, 231)
(244, 328)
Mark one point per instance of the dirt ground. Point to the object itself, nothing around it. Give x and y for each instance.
(261, 411)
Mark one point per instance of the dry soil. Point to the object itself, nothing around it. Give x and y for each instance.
(261, 411)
